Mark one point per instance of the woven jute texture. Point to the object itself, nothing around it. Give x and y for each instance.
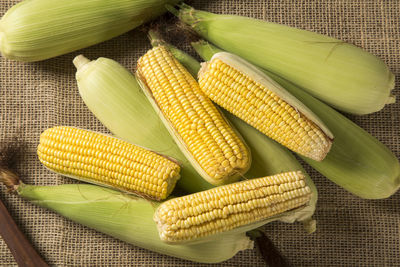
(351, 231)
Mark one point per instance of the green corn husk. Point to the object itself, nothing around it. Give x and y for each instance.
(358, 162)
(338, 73)
(127, 218)
(34, 30)
(112, 93)
(268, 157)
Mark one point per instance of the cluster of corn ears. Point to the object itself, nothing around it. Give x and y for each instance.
(208, 226)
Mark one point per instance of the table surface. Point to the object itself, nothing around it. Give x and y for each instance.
(351, 231)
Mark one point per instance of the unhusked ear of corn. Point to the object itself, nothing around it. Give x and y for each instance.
(35, 30)
(249, 94)
(227, 207)
(377, 174)
(214, 148)
(105, 160)
(338, 73)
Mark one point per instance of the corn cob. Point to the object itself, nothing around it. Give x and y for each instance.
(105, 160)
(114, 96)
(216, 151)
(125, 217)
(340, 74)
(230, 206)
(358, 162)
(246, 92)
(40, 29)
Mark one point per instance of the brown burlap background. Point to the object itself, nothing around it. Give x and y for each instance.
(351, 231)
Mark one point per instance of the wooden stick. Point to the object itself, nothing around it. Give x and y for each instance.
(24, 253)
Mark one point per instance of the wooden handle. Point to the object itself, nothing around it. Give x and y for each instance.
(24, 254)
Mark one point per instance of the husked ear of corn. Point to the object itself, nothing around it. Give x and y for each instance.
(105, 160)
(214, 148)
(338, 73)
(40, 29)
(249, 94)
(228, 207)
(358, 162)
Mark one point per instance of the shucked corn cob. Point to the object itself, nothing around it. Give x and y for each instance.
(215, 149)
(230, 206)
(105, 160)
(249, 94)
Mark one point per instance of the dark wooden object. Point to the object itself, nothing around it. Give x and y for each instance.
(24, 254)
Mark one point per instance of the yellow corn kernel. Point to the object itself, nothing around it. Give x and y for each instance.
(102, 159)
(204, 135)
(230, 206)
(263, 109)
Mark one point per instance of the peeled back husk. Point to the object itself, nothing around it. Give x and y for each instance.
(112, 93)
(127, 218)
(268, 157)
(340, 74)
(358, 162)
(40, 29)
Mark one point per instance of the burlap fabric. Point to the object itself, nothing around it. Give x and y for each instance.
(351, 231)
